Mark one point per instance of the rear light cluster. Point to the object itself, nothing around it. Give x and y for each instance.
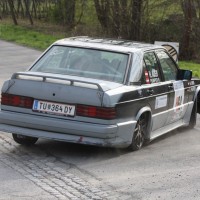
(81, 110)
(96, 112)
(15, 100)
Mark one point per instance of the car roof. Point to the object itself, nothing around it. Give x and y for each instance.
(107, 44)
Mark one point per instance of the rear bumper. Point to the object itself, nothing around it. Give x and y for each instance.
(117, 135)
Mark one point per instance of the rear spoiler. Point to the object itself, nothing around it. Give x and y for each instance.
(53, 79)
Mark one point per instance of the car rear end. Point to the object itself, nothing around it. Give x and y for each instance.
(56, 108)
(67, 95)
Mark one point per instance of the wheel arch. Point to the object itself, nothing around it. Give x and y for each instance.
(146, 111)
(197, 97)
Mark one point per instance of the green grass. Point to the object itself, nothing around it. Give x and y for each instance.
(26, 36)
(195, 67)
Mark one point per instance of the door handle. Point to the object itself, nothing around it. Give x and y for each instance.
(150, 91)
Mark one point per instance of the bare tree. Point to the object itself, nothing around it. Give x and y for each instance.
(103, 12)
(69, 9)
(188, 11)
(11, 5)
(120, 18)
(136, 13)
(27, 5)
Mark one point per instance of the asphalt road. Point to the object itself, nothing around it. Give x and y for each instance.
(167, 168)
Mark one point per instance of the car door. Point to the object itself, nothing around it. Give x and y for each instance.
(156, 91)
(178, 90)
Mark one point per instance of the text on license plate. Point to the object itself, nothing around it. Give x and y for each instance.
(54, 108)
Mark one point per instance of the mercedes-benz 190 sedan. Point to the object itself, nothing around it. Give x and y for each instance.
(103, 92)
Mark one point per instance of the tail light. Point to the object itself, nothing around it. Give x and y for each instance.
(15, 100)
(81, 110)
(96, 112)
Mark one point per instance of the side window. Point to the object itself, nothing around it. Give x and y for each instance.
(168, 66)
(151, 68)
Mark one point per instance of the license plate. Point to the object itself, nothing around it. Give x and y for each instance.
(53, 108)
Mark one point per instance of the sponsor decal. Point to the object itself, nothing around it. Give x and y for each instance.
(153, 73)
(191, 83)
(178, 99)
(193, 89)
(151, 76)
(140, 93)
(155, 80)
(161, 102)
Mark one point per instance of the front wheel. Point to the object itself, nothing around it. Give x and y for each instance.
(24, 140)
(139, 134)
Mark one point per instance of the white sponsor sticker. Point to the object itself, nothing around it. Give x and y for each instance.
(154, 73)
(161, 101)
(179, 95)
(191, 83)
(178, 101)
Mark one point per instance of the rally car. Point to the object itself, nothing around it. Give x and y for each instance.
(104, 92)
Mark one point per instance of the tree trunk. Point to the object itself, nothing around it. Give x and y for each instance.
(11, 5)
(186, 51)
(103, 11)
(34, 9)
(116, 15)
(124, 19)
(69, 9)
(27, 5)
(136, 19)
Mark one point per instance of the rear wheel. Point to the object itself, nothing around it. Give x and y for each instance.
(24, 140)
(139, 134)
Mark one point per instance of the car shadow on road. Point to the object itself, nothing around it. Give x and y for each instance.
(179, 133)
(78, 153)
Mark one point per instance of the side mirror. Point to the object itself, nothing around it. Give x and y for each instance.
(184, 74)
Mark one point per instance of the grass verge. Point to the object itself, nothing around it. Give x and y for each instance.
(195, 67)
(26, 36)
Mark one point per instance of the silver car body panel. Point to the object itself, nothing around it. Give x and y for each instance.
(118, 135)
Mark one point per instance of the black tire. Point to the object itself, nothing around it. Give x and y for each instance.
(139, 134)
(193, 118)
(24, 140)
(198, 103)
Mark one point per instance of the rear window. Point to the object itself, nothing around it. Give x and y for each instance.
(90, 63)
